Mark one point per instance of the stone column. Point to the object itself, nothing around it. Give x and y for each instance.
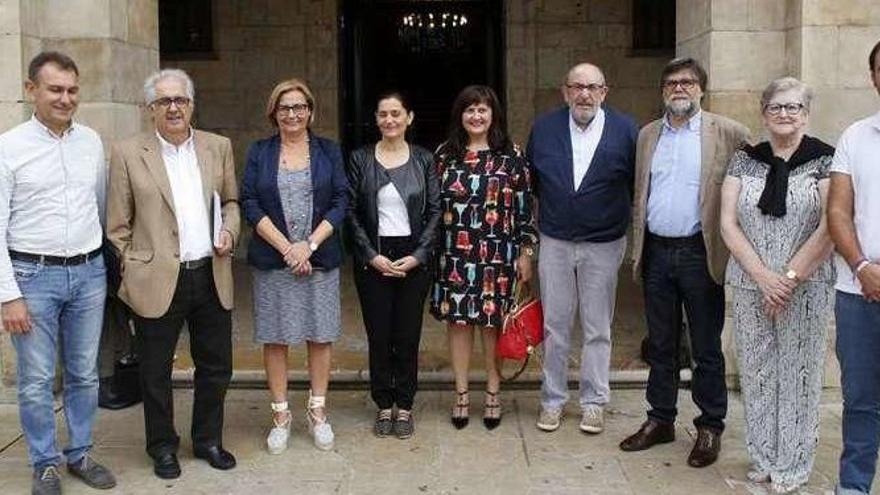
(745, 44)
(115, 44)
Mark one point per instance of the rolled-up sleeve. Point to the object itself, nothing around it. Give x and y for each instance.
(8, 286)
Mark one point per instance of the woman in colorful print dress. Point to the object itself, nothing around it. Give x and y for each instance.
(486, 239)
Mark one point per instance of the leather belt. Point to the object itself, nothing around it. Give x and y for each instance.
(691, 240)
(45, 259)
(195, 264)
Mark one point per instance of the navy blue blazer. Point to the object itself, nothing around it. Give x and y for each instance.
(259, 198)
(599, 210)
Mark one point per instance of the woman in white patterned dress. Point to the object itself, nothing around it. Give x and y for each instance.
(780, 275)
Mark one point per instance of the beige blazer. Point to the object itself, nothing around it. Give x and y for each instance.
(141, 222)
(719, 138)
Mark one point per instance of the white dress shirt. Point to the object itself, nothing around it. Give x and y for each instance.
(194, 229)
(52, 192)
(856, 155)
(584, 143)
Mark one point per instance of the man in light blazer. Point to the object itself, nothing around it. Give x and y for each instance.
(681, 160)
(176, 263)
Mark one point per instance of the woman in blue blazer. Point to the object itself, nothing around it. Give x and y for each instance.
(294, 194)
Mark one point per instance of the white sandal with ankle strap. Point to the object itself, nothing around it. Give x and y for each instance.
(280, 432)
(319, 427)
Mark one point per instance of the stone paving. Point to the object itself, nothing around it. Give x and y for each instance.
(516, 458)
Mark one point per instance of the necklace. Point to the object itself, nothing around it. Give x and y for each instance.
(291, 150)
(391, 158)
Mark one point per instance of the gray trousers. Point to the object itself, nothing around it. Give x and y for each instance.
(582, 277)
(782, 378)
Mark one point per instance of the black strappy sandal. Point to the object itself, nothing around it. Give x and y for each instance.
(491, 411)
(461, 411)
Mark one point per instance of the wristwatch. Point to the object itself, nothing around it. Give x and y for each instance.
(313, 246)
(792, 275)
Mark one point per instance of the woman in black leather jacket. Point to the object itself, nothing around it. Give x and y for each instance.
(393, 213)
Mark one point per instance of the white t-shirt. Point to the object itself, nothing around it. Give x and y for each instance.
(858, 155)
(393, 217)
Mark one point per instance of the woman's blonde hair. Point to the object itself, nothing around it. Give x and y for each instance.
(286, 86)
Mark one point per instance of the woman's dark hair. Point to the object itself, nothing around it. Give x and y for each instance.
(397, 95)
(457, 141)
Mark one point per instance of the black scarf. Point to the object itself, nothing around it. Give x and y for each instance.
(772, 200)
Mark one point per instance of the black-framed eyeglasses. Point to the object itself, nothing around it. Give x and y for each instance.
(790, 108)
(591, 88)
(165, 102)
(296, 109)
(685, 84)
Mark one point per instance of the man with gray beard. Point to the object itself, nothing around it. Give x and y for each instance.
(681, 160)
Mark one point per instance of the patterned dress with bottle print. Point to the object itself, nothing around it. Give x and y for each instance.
(487, 217)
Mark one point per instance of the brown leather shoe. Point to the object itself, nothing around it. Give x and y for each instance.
(705, 451)
(651, 433)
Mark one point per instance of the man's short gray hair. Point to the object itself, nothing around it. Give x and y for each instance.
(154, 78)
(785, 84)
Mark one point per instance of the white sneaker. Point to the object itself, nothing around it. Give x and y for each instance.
(549, 419)
(593, 419)
(319, 427)
(279, 435)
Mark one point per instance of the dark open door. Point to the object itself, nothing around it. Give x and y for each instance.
(429, 50)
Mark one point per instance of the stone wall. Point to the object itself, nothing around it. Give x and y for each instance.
(259, 43)
(546, 37)
(115, 45)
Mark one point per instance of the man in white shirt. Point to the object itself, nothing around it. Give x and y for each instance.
(854, 225)
(176, 264)
(52, 275)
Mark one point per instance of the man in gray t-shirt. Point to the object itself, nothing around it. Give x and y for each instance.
(854, 225)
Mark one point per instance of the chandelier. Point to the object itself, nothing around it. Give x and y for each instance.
(433, 32)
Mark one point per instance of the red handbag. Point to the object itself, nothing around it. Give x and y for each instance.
(522, 330)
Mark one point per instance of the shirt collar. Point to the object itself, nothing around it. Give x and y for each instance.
(42, 127)
(693, 123)
(167, 146)
(599, 117)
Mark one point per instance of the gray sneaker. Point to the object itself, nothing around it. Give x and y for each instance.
(46, 481)
(92, 473)
(593, 419)
(549, 419)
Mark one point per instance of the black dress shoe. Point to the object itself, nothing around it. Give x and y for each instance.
(216, 457)
(651, 433)
(706, 449)
(166, 466)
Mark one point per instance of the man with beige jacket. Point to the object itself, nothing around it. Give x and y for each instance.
(175, 250)
(681, 160)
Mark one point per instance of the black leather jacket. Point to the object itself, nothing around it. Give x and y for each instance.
(419, 188)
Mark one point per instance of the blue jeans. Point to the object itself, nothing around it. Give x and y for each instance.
(858, 345)
(66, 305)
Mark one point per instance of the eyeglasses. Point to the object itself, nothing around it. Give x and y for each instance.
(686, 84)
(790, 108)
(165, 102)
(579, 88)
(297, 109)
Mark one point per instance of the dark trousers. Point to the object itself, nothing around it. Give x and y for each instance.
(393, 310)
(675, 273)
(210, 330)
